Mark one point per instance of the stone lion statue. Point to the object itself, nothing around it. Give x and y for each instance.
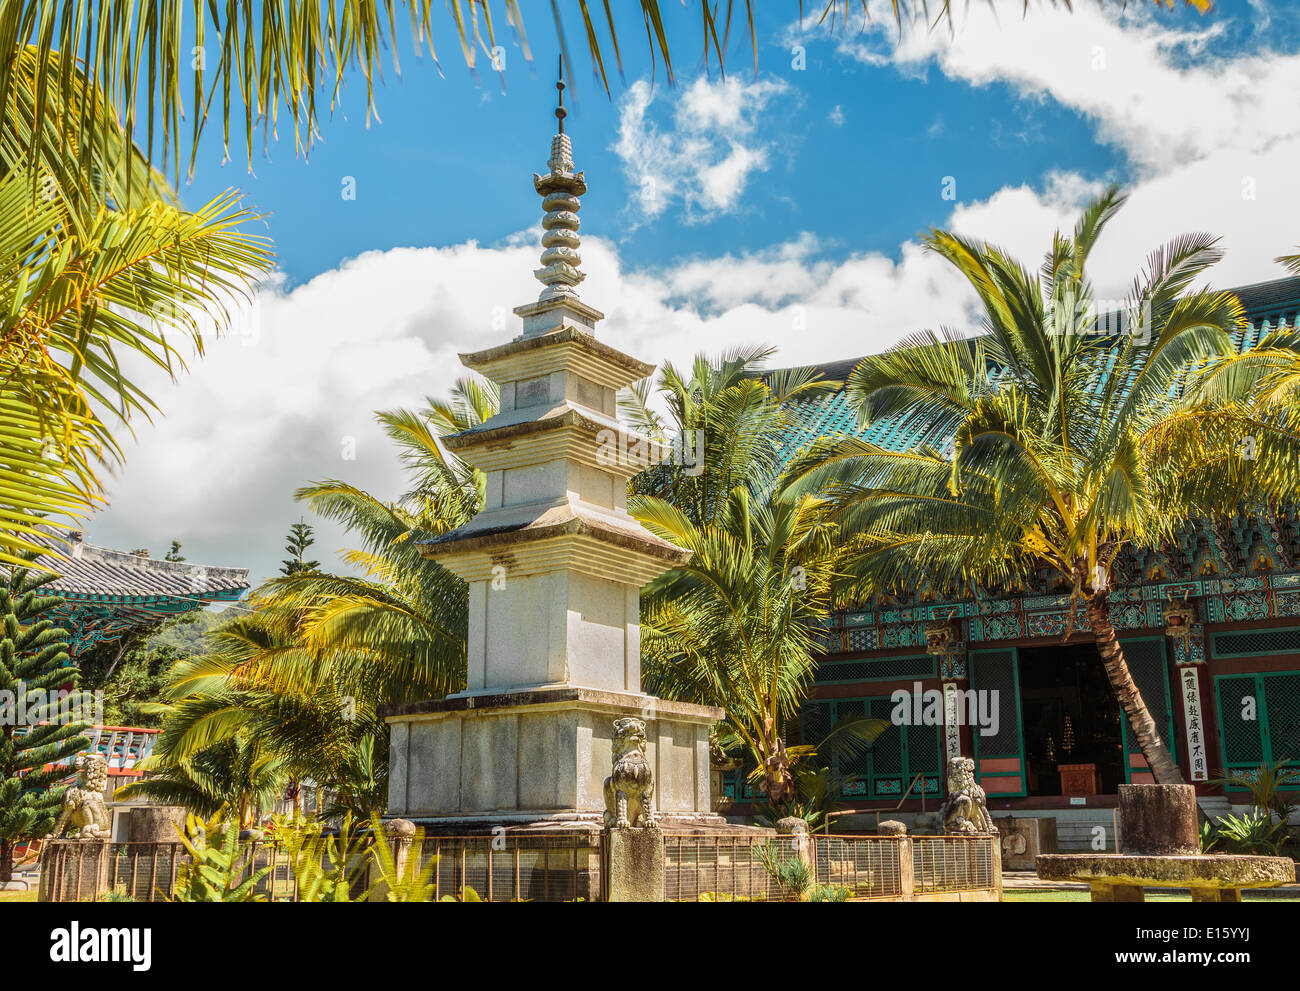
(630, 788)
(84, 815)
(965, 810)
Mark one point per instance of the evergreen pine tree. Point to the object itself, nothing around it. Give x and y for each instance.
(175, 553)
(299, 539)
(34, 726)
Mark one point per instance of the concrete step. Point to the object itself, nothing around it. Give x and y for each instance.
(1215, 807)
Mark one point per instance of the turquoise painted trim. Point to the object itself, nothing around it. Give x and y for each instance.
(906, 771)
(1261, 711)
(1214, 643)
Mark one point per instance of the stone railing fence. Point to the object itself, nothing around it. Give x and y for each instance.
(571, 867)
(885, 868)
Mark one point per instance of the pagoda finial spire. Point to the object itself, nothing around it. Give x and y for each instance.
(561, 188)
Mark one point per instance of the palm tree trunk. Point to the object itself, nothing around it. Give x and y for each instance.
(777, 780)
(1126, 691)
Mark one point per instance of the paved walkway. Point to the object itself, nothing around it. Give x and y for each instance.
(1028, 880)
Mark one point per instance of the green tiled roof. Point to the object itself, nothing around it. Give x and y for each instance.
(1268, 305)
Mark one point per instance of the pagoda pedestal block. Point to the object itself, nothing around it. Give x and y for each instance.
(541, 758)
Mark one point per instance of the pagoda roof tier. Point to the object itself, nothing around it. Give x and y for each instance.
(564, 430)
(576, 535)
(569, 348)
(102, 575)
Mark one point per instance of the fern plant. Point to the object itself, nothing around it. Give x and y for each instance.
(326, 868)
(1252, 833)
(409, 881)
(217, 864)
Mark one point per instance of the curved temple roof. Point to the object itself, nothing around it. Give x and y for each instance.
(98, 573)
(108, 592)
(1268, 305)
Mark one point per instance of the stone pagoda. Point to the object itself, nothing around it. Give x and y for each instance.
(555, 566)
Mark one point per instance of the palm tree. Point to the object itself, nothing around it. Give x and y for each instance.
(397, 629)
(238, 774)
(1243, 431)
(1057, 462)
(289, 56)
(230, 740)
(98, 268)
(735, 626)
(727, 419)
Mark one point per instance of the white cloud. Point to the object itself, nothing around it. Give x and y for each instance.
(836, 116)
(703, 162)
(1164, 95)
(1211, 136)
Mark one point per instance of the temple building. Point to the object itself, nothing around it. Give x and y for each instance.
(107, 593)
(1210, 626)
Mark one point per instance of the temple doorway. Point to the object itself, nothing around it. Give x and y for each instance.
(1073, 740)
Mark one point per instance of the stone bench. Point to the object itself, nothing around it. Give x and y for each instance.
(1120, 877)
(1159, 846)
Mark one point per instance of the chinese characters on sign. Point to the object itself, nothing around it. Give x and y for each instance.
(1191, 692)
(951, 722)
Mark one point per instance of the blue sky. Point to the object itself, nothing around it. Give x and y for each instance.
(890, 132)
(784, 210)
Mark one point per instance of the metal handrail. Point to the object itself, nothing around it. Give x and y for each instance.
(912, 784)
(840, 813)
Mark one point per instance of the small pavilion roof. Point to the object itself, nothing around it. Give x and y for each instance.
(88, 572)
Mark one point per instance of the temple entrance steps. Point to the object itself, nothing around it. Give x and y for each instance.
(1214, 807)
(1082, 830)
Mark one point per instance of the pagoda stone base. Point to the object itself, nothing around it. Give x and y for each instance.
(538, 759)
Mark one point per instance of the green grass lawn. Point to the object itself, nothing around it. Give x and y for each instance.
(18, 896)
(1015, 895)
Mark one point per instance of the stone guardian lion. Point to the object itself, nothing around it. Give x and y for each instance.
(630, 789)
(965, 810)
(84, 814)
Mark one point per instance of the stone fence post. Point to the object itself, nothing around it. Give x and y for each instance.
(801, 842)
(400, 834)
(634, 859)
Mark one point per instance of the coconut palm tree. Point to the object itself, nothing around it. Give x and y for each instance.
(100, 270)
(229, 739)
(1243, 432)
(238, 775)
(1058, 460)
(726, 421)
(304, 671)
(398, 628)
(735, 626)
